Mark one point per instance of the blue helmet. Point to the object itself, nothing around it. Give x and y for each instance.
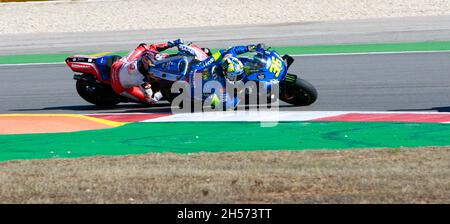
(233, 69)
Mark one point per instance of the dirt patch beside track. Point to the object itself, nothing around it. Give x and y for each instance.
(109, 15)
(419, 175)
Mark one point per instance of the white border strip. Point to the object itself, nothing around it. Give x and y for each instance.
(268, 116)
(28, 64)
(247, 116)
(369, 53)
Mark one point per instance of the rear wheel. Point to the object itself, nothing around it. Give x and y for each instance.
(96, 94)
(299, 92)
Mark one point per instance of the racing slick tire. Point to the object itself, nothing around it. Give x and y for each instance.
(299, 93)
(98, 95)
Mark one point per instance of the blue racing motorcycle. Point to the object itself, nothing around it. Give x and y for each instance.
(269, 68)
(264, 67)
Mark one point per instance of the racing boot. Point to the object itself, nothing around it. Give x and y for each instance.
(157, 96)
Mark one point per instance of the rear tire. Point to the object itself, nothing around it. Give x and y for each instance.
(300, 93)
(99, 95)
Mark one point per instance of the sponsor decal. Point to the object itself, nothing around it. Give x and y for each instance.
(205, 75)
(81, 66)
(158, 57)
(167, 65)
(131, 68)
(187, 49)
(209, 62)
(214, 72)
(214, 76)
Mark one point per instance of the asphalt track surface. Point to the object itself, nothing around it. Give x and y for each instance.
(372, 82)
(381, 82)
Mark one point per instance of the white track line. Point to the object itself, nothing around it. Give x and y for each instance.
(369, 53)
(246, 116)
(267, 116)
(34, 64)
(271, 115)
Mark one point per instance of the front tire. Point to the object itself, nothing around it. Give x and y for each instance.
(99, 95)
(299, 93)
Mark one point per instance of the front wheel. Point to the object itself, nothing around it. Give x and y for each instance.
(98, 95)
(299, 93)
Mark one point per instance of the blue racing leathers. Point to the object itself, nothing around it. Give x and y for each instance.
(216, 58)
(211, 70)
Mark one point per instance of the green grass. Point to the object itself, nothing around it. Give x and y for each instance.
(419, 175)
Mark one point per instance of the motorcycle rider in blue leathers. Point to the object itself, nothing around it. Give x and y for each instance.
(223, 66)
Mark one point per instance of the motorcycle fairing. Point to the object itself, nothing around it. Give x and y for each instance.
(99, 67)
(193, 50)
(264, 66)
(83, 64)
(104, 66)
(172, 69)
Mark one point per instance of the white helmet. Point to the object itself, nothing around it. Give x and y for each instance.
(233, 69)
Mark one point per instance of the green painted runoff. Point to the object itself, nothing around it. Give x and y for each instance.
(294, 50)
(192, 137)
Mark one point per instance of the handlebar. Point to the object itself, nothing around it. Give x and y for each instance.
(261, 46)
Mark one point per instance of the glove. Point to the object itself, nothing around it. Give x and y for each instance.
(253, 47)
(261, 46)
(146, 88)
(176, 42)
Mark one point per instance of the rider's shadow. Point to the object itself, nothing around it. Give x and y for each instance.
(438, 109)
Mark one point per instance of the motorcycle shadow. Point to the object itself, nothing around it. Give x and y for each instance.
(121, 108)
(160, 107)
(437, 109)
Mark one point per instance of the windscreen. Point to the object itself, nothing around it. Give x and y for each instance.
(258, 63)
